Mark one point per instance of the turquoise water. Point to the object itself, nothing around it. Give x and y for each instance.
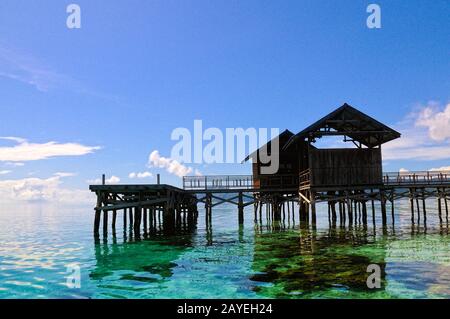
(262, 260)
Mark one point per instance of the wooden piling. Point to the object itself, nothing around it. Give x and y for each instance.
(114, 219)
(383, 207)
(424, 205)
(241, 208)
(137, 220)
(97, 214)
(130, 213)
(313, 207)
(105, 221)
(145, 219)
(446, 205)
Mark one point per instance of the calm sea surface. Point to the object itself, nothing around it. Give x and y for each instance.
(263, 260)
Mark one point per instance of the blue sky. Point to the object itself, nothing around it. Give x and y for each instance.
(138, 69)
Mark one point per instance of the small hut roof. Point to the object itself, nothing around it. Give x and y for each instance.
(285, 134)
(348, 121)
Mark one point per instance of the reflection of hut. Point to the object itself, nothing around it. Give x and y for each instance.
(315, 265)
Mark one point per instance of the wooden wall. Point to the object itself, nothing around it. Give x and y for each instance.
(345, 167)
(289, 161)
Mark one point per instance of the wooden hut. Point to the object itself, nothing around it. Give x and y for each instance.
(287, 174)
(360, 166)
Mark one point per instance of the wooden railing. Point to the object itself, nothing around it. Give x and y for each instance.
(218, 182)
(417, 178)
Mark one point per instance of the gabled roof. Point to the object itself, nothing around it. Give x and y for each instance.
(348, 121)
(286, 134)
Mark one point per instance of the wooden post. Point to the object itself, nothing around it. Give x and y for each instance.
(145, 219)
(439, 205)
(333, 211)
(424, 206)
(260, 211)
(383, 207)
(208, 208)
(349, 210)
(241, 209)
(130, 213)
(411, 202)
(124, 218)
(313, 207)
(114, 219)
(416, 195)
(97, 214)
(350, 213)
(293, 211)
(364, 208)
(446, 205)
(105, 222)
(150, 218)
(137, 220)
(392, 207)
(373, 206)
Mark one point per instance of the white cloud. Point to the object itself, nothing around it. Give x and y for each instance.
(443, 168)
(436, 121)
(25, 151)
(420, 140)
(4, 172)
(15, 164)
(64, 174)
(140, 175)
(403, 170)
(171, 165)
(112, 180)
(42, 189)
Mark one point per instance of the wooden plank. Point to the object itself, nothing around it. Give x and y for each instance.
(133, 204)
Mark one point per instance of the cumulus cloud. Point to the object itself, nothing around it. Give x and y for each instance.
(42, 189)
(25, 151)
(171, 165)
(436, 121)
(112, 180)
(4, 172)
(140, 175)
(425, 136)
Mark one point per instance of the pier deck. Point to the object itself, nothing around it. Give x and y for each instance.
(173, 205)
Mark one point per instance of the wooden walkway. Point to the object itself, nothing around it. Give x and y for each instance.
(144, 206)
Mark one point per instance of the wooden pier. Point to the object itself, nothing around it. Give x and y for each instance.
(144, 206)
(347, 179)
